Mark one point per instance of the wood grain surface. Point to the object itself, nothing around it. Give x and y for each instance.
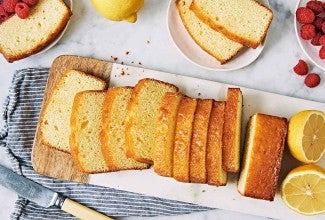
(49, 161)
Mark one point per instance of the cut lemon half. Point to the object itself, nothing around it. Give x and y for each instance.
(306, 136)
(303, 189)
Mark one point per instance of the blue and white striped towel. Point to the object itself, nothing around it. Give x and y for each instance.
(21, 111)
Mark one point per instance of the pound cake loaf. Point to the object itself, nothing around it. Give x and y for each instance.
(199, 140)
(142, 118)
(232, 131)
(86, 123)
(55, 119)
(20, 38)
(183, 134)
(213, 42)
(215, 173)
(244, 21)
(165, 134)
(113, 130)
(265, 141)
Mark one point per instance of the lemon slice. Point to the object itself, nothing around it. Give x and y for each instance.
(303, 189)
(306, 136)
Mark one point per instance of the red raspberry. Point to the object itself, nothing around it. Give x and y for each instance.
(322, 40)
(318, 23)
(323, 26)
(31, 2)
(301, 68)
(305, 15)
(9, 5)
(3, 14)
(315, 6)
(312, 80)
(322, 53)
(22, 10)
(315, 40)
(307, 31)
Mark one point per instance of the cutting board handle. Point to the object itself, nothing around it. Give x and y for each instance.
(81, 211)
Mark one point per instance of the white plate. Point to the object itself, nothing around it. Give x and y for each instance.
(310, 50)
(198, 56)
(69, 3)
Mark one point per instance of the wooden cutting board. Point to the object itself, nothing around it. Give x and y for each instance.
(48, 161)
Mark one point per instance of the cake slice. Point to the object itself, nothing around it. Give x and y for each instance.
(113, 130)
(211, 41)
(199, 140)
(55, 119)
(183, 134)
(165, 134)
(265, 139)
(20, 38)
(244, 21)
(215, 173)
(232, 131)
(86, 125)
(142, 118)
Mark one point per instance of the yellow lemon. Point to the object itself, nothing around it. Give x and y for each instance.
(306, 136)
(118, 10)
(303, 189)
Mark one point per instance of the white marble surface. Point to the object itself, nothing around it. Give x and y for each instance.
(148, 42)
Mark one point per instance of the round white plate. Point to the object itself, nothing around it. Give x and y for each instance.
(69, 3)
(310, 50)
(198, 56)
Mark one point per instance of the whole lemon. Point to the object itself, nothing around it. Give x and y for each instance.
(118, 10)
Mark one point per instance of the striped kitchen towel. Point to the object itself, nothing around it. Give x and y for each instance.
(21, 112)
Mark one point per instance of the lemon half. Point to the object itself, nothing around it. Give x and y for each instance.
(306, 136)
(303, 189)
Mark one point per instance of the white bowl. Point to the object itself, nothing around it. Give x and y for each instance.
(310, 50)
(69, 3)
(194, 53)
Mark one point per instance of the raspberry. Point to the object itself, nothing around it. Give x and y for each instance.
(312, 80)
(322, 53)
(323, 26)
(322, 40)
(318, 23)
(307, 31)
(31, 2)
(22, 10)
(315, 6)
(9, 5)
(301, 68)
(315, 40)
(305, 15)
(3, 14)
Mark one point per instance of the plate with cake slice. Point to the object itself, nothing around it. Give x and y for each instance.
(211, 40)
(40, 27)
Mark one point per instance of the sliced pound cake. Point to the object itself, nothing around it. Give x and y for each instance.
(199, 140)
(213, 42)
(215, 173)
(244, 21)
(183, 134)
(142, 118)
(232, 131)
(165, 134)
(20, 38)
(265, 139)
(113, 130)
(55, 119)
(86, 124)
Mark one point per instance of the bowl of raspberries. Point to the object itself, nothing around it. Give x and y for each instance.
(310, 29)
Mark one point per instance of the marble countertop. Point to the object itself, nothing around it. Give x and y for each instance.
(148, 43)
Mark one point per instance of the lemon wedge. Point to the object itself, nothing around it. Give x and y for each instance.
(303, 189)
(306, 136)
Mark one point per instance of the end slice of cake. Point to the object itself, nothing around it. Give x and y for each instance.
(113, 130)
(86, 124)
(165, 134)
(265, 139)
